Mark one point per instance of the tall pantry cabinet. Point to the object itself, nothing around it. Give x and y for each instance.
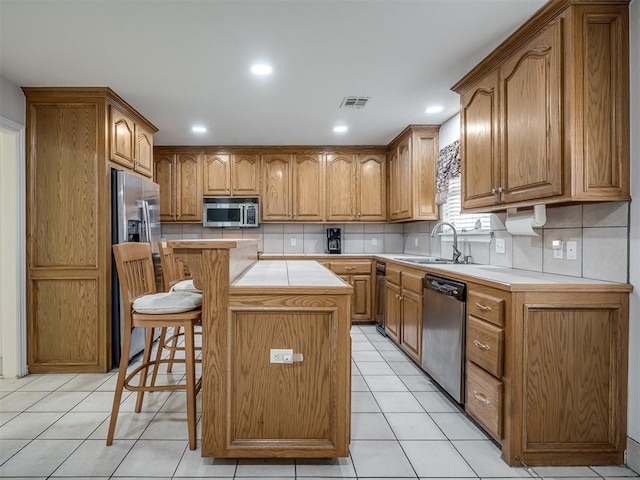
(74, 137)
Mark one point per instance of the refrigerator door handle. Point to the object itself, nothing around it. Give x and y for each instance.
(146, 222)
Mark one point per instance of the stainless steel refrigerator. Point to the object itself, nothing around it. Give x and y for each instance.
(135, 217)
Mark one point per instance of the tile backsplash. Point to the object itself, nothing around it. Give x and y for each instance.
(292, 238)
(600, 230)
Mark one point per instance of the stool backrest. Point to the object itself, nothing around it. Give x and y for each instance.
(172, 268)
(135, 271)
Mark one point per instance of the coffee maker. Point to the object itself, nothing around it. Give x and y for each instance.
(333, 240)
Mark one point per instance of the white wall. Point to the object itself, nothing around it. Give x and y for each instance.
(449, 131)
(12, 232)
(634, 237)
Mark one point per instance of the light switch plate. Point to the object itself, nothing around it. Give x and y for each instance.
(501, 245)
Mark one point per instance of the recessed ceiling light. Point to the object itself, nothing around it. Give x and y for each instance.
(261, 69)
(199, 129)
(340, 129)
(434, 109)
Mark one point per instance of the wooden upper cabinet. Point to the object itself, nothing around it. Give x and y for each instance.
(165, 175)
(144, 151)
(530, 113)
(217, 174)
(180, 178)
(245, 175)
(479, 142)
(545, 118)
(131, 142)
(123, 138)
(227, 174)
(341, 193)
(356, 187)
(412, 174)
(188, 188)
(276, 201)
(308, 187)
(371, 192)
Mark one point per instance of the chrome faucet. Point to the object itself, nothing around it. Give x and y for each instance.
(456, 252)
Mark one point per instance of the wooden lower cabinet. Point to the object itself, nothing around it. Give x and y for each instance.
(403, 316)
(357, 274)
(546, 373)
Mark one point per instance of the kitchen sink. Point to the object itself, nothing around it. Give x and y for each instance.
(426, 260)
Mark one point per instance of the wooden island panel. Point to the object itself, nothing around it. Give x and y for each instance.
(253, 408)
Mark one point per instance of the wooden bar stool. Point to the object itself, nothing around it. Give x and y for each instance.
(174, 279)
(147, 309)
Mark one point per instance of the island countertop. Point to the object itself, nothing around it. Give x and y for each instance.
(288, 276)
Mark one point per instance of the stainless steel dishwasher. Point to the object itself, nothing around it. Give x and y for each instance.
(443, 333)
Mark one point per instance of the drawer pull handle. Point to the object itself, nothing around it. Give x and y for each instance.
(481, 345)
(350, 268)
(481, 398)
(484, 308)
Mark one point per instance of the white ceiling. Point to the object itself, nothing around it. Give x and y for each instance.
(181, 62)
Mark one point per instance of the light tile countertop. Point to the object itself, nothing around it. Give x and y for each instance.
(288, 273)
(501, 277)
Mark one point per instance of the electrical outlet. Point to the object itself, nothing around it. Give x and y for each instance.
(293, 241)
(572, 250)
(374, 241)
(556, 245)
(501, 245)
(415, 241)
(281, 355)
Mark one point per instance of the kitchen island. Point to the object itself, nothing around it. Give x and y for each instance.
(276, 373)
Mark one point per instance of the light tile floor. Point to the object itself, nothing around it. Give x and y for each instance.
(54, 426)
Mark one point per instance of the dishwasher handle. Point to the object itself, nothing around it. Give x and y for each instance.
(445, 286)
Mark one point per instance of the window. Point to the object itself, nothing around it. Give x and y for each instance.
(463, 221)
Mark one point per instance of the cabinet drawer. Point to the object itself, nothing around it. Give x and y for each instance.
(350, 268)
(412, 282)
(484, 399)
(393, 275)
(486, 306)
(485, 345)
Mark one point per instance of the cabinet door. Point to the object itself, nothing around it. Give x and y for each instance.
(217, 174)
(341, 196)
(393, 312)
(371, 205)
(531, 113)
(122, 133)
(402, 186)
(361, 303)
(479, 143)
(411, 332)
(276, 187)
(165, 176)
(245, 175)
(144, 152)
(394, 178)
(308, 188)
(188, 188)
(425, 160)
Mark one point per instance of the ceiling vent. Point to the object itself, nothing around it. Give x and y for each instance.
(354, 102)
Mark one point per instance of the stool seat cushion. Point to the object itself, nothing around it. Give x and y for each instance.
(163, 303)
(185, 286)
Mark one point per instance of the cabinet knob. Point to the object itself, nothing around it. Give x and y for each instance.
(500, 190)
(493, 190)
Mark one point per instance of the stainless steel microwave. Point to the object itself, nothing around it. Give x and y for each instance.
(230, 212)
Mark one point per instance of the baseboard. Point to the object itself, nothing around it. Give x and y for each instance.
(633, 455)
